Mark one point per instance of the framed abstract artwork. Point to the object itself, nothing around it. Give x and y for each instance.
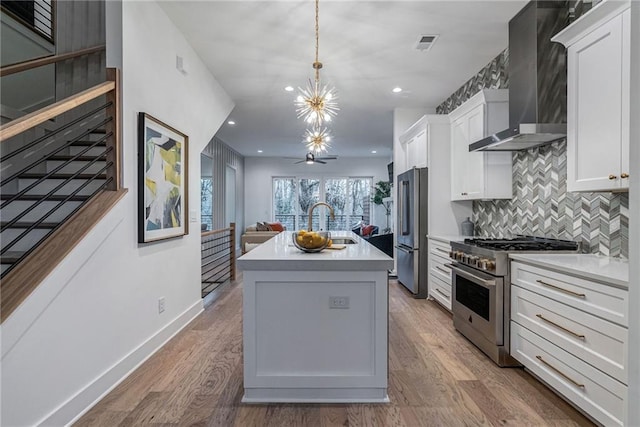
(162, 180)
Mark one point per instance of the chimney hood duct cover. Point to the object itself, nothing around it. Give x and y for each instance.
(537, 80)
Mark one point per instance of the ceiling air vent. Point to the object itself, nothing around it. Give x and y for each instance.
(425, 42)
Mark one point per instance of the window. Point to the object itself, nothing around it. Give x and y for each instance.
(350, 198)
(206, 192)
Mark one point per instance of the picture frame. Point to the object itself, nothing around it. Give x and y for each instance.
(163, 159)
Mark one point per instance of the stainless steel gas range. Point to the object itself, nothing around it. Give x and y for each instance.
(481, 286)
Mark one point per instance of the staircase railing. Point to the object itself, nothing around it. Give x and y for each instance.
(218, 251)
(58, 184)
(35, 15)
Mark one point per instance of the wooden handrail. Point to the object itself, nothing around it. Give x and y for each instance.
(31, 120)
(47, 60)
(209, 233)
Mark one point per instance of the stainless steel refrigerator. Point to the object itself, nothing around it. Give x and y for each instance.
(412, 220)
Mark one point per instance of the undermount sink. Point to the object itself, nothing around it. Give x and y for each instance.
(343, 241)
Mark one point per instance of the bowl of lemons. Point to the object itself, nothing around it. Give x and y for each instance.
(311, 241)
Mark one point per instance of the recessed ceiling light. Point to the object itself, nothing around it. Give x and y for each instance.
(231, 122)
(396, 90)
(374, 152)
(289, 88)
(259, 151)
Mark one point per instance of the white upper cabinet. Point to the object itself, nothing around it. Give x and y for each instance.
(480, 175)
(415, 145)
(598, 77)
(426, 144)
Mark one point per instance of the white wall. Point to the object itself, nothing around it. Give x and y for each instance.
(259, 171)
(633, 416)
(96, 316)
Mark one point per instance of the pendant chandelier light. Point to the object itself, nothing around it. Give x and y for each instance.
(316, 104)
(317, 140)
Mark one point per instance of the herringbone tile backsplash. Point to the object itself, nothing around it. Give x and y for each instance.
(541, 205)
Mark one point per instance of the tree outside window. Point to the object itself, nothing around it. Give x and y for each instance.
(349, 197)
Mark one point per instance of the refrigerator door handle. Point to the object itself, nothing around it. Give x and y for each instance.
(405, 214)
(404, 249)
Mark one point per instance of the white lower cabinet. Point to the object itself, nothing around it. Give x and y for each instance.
(440, 273)
(572, 334)
(596, 393)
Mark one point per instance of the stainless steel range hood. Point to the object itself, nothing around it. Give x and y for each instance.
(537, 80)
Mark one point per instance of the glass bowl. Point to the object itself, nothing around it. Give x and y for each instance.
(311, 241)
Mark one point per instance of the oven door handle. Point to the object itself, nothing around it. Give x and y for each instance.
(486, 283)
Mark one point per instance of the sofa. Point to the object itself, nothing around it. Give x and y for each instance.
(259, 233)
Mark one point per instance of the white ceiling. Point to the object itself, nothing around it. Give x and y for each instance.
(256, 48)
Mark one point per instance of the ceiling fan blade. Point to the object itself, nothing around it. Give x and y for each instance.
(327, 158)
(301, 161)
(320, 161)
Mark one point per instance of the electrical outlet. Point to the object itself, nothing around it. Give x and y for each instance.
(338, 302)
(161, 304)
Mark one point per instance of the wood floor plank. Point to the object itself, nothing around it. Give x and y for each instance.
(436, 378)
(333, 416)
(449, 360)
(146, 411)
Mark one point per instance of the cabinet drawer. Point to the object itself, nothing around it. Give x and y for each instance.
(596, 341)
(599, 395)
(440, 291)
(596, 298)
(440, 269)
(439, 249)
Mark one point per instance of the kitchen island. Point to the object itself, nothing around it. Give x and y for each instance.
(315, 324)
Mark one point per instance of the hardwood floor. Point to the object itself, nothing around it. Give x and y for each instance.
(436, 378)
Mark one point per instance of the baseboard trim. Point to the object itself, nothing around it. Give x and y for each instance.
(75, 407)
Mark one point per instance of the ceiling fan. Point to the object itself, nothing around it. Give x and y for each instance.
(310, 159)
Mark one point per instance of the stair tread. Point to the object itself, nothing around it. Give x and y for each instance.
(26, 224)
(35, 197)
(11, 257)
(61, 176)
(77, 159)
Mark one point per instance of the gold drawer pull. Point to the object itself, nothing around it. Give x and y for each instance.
(441, 293)
(566, 291)
(559, 372)
(624, 175)
(443, 270)
(612, 177)
(540, 316)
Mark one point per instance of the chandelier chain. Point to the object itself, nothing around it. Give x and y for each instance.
(317, 40)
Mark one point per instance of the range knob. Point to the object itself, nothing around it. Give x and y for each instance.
(491, 265)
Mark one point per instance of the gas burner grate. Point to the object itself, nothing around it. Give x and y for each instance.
(524, 243)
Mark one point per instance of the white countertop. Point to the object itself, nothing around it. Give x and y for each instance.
(613, 271)
(448, 238)
(279, 253)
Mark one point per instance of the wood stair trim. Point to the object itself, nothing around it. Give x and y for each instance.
(52, 198)
(26, 277)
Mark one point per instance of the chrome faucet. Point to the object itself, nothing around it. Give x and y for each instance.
(311, 213)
